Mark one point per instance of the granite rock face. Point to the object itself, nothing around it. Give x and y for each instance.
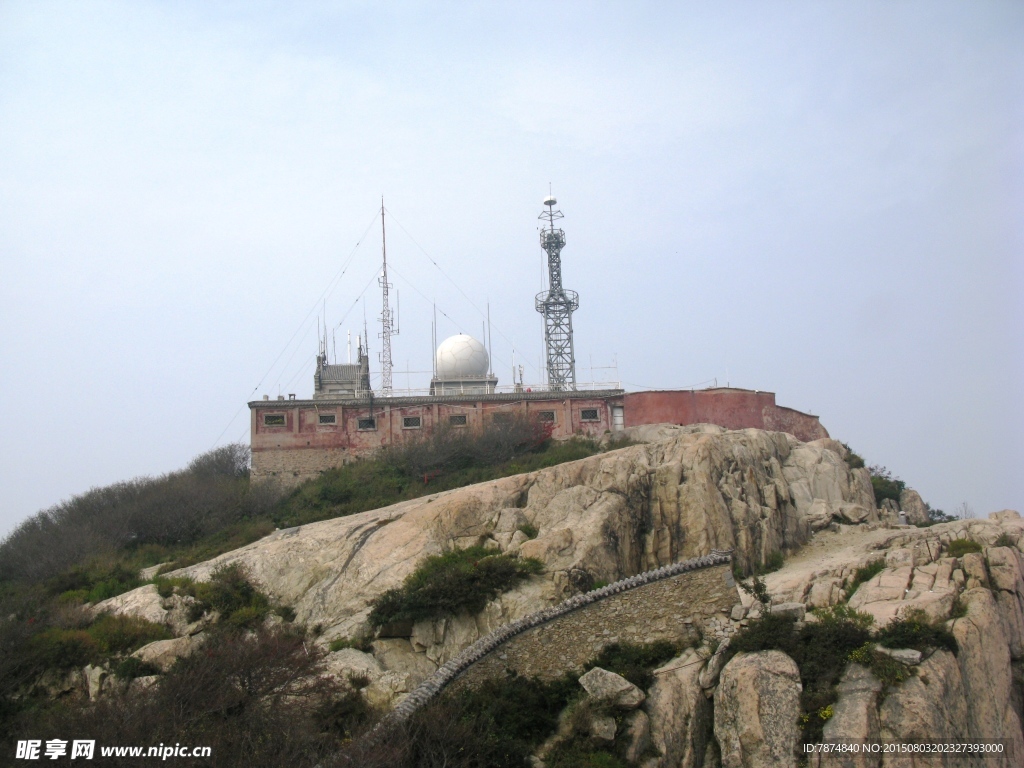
(610, 516)
(757, 705)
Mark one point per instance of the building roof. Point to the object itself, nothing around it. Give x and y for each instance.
(507, 397)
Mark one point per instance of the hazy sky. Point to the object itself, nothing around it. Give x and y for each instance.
(821, 199)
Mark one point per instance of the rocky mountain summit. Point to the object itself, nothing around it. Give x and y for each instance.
(679, 493)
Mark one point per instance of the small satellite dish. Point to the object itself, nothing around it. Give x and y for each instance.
(550, 200)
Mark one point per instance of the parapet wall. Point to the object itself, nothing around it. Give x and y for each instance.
(670, 603)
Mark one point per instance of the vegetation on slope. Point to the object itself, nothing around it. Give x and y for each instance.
(444, 585)
(501, 722)
(822, 648)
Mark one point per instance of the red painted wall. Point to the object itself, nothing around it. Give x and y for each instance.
(729, 408)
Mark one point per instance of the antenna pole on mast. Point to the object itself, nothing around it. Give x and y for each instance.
(386, 316)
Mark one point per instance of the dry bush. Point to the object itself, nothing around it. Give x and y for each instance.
(254, 698)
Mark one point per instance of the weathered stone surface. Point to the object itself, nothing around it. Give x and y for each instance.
(855, 717)
(163, 653)
(398, 655)
(143, 602)
(602, 729)
(95, 677)
(604, 686)
(984, 662)
(913, 506)
(908, 656)
(637, 736)
(609, 516)
(757, 704)
(680, 713)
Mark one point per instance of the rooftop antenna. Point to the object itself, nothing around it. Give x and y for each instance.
(366, 338)
(490, 347)
(387, 318)
(557, 305)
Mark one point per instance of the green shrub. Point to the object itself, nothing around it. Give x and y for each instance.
(131, 667)
(768, 633)
(518, 709)
(773, 563)
(864, 574)
(116, 634)
(841, 613)
(229, 592)
(885, 485)
(392, 476)
(578, 753)
(961, 547)
(64, 648)
(889, 671)
(287, 613)
(359, 643)
(1005, 540)
(529, 531)
(957, 610)
(165, 586)
(635, 662)
(916, 631)
(820, 650)
(853, 459)
(443, 585)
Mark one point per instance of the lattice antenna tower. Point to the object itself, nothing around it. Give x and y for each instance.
(387, 315)
(557, 305)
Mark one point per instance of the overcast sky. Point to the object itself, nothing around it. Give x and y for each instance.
(820, 199)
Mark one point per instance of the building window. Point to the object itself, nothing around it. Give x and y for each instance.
(546, 416)
(367, 424)
(458, 420)
(589, 414)
(502, 418)
(273, 420)
(328, 418)
(410, 422)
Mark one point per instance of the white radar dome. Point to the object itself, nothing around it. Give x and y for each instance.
(461, 357)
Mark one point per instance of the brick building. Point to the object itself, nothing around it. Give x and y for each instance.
(293, 440)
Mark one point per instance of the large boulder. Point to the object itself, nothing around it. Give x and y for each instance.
(855, 717)
(757, 705)
(163, 653)
(612, 689)
(680, 713)
(143, 603)
(913, 506)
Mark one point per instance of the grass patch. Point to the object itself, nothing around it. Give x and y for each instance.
(864, 574)
(916, 631)
(961, 547)
(528, 530)
(107, 636)
(1004, 540)
(444, 585)
(359, 643)
(380, 482)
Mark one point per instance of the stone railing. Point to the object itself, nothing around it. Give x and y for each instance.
(458, 665)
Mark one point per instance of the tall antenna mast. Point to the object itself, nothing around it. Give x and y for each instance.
(557, 305)
(386, 316)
